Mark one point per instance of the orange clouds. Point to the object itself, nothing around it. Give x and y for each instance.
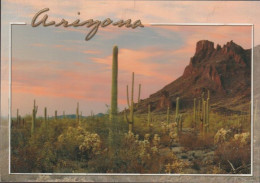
(134, 61)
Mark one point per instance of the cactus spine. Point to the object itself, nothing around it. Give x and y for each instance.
(113, 111)
(34, 112)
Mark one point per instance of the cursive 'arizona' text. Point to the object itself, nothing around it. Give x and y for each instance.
(90, 23)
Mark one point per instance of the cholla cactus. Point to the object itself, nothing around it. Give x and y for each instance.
(154, 150)
(144, 150)
(136, 137)
(129, 138)
(243, 138)
(88, 143)
(176, 166)
(173, 135)
(221, 136)
(164, 127)
(147, 136)
(91, 143)
(168, 168)
(156, 140)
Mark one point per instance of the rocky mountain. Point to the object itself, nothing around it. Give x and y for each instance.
(224, 71)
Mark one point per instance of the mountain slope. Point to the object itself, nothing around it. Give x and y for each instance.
(224, 71)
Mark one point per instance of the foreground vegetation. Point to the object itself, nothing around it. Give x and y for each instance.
(95, 145)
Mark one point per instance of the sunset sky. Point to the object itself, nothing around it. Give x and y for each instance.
(58, 68)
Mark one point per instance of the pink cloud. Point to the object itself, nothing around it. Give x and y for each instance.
(91, 51)
(133, 61)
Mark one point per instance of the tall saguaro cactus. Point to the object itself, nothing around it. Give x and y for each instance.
(131, 120)
(56, 114)
(34, 112)
(178, 117)
(208, 111)
(149, 115)
(177, 107)
(203, 112)
(194, 112)
(17, 117)
(77, 113)
(132, 104)
(113, 111)
(45, 115)
(139, 94)
(168, 115)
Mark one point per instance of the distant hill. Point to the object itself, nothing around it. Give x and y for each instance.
(73, 116)
(224, 71)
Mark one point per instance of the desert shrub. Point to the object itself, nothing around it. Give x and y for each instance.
(193, 141)
(176, 165)
(165, 141)
(234, 155)
(222, 136)
(77, 142)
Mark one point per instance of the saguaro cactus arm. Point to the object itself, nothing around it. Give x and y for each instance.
(177, 107)
(149, 115)
(168, 115)
(127, 96)
(132, 98)
(139, 94)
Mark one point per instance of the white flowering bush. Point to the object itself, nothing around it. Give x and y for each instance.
(79, 142)
(156, 140)
(243, 138)
(222, 136)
